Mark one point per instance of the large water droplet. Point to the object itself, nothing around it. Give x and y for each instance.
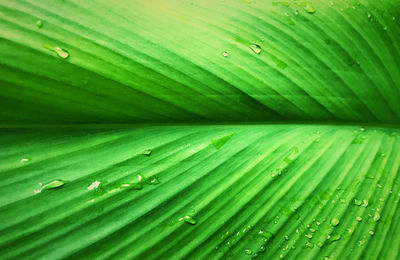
(256, 48)
(51, 185)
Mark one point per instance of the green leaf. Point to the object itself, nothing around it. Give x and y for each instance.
(82, 176)
(240, 200)
(213, 61)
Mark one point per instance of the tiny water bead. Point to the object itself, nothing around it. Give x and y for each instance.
(50, 185)
(357, 202)
(94, 185)
(256, 48)
(362, 129)
(61, 52)
(188, 219)
(365, 203)
(377, 217)
(334, 222)
(308, 236)
(371, 232)
(248, 251)
(309, 8)
(153, 180)
(359, 219)
(286, 237)
(25, 160)
(39, 23)
(225, 54)
(147, 152)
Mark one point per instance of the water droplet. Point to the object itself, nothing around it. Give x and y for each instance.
(188, 219)
(25, 160)
(147, 152)
(256, 48)
(334, 222)
(377, 217)
(61, 52)
(286, 237)
(280, 256)
(326, 257)
(382, 155)
(361, 242)
(153, 180)
(308, 236)
(362, 129)
(320, 244)
(39, 23)
(309, 8)
(379, 186)
(264, 234)
(331, 3)
(312, 230)
(365, 203)
(371, 232)
(51, 185)
(359, 219)
(357, 202)
(309, 245)
(318, 223)
(225, 54)
(248, 251)
(219, 142)
(369, 15)
(94, 185)
(296, 12)
(382, 199)
(316, 140)
(335, 237)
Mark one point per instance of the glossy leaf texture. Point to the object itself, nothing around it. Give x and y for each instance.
(131, 61)
(291, 191)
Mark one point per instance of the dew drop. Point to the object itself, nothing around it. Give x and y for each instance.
(357, 202)
(225, 54)
(50, 185)
(362, 129)
(39, 23)
(62, 53)
(25, 160)
(280, 256)
(256, 48)
(188, 219)
(147, 152)
(312, 230)
(286, 237)
(377, 217)
(94, 185)
(365, 203)
(318, 223)
(320, 244)
(309, 8)
(335, 237)
(316, 140)
(359, 219)
(369, 15)
(334, 222)
(308, 236)
(248, 251)
(371, 232)
(309, 245)
(326, 257)
(296, 12)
